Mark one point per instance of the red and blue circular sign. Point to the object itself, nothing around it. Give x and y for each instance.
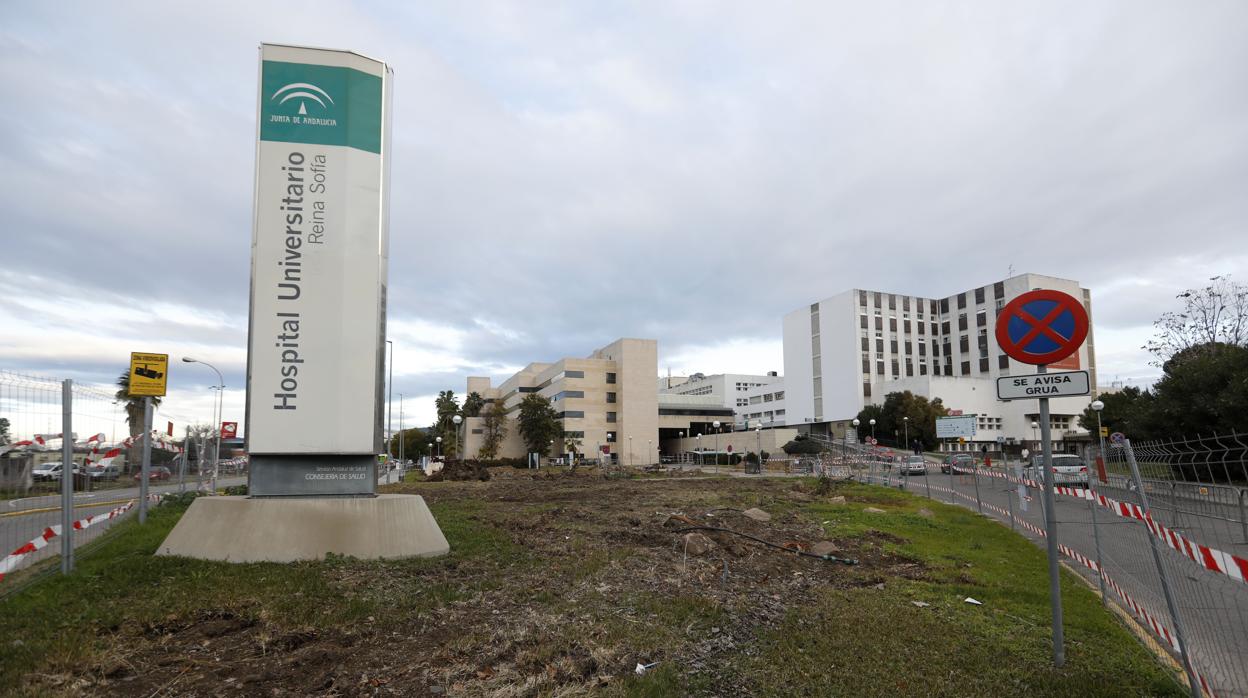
(1042, 327)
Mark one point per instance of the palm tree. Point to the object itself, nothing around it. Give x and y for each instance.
(133, 404)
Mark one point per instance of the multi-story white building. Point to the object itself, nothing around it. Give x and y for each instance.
(854, 348)
(731, 390)
(764, 406)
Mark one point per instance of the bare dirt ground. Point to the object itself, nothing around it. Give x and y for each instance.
(558, 585)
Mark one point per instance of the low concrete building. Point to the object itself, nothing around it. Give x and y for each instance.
(608, 401)
(731, 390)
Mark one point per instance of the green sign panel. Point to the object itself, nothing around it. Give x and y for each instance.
(320, 104)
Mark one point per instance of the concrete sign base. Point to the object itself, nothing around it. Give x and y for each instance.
(240, 529)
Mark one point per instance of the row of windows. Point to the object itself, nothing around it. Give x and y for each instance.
(764, 415)
(562, 395)
(571, 414)
(1003, 362)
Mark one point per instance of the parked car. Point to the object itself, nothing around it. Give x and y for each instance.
(50, 472)
(1068, 469)
(157, 472)
(913, 465)
(104, 472)
(957, 460)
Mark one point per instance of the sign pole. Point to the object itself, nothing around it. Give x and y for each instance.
(67, 476)
(1050, 529)
(146, 466)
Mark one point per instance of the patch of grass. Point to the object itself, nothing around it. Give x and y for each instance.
(865, 641)
(66, 621)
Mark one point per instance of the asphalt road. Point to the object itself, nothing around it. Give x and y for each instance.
(1212, 606)
(23, 519)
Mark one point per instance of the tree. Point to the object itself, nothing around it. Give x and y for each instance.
(802, 445)
(1128, 411)
(473, 404)
(538, 423)
(133, 404)
(892, 425)
(415, 443)
(4, 430)
(1203, 390)
(1216, 315)
(494, 430)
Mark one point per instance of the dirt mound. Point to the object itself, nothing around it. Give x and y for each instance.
(461, 470)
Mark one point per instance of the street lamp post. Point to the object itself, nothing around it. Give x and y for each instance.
(439, 441)
(1097, 406)
(457, 420)
(650, 451)
(1033, 434)
(630, 451)
(390, 402)
(906, 421)
(716, 425)
(401, 439)
(758, 433)
(681, 447)
(216, 429)
(872, 429)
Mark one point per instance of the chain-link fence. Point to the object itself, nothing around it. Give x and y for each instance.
(68, 468)
(1185, 497)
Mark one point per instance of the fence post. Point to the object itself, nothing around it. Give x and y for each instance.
(927, 479)
(1193, 683)
(67, 476)
(951, 482)
(146, 466)
(1243, 521)
(1009, 497)
(979, 505)
(1096, 539)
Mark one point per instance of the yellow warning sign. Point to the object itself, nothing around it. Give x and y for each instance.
(1104, 431)
(148, 374)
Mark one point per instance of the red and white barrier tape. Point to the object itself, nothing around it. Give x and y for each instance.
(11, 561)
(1209, 558)
(1158, 628)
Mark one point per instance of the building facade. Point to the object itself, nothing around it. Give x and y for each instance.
(609, 402)
(852, 349)
(730, 390)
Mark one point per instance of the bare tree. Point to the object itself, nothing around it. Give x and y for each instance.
(1216, 314)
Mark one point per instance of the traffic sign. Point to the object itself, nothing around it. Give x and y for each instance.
(1043, 385)
(1117, 437)
(953, 427)
(148, 374)
(229, 430)
(1104, 431)
(1042, 326)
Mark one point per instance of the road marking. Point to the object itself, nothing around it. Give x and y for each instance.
(45, 510)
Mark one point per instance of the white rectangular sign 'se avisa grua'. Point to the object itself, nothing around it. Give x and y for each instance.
(962, 426)
(1043, 385)
(319, 262)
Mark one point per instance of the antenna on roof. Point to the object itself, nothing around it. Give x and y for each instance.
(1010, 273)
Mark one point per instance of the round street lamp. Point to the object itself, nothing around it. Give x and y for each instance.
(439, 440)
(872, 428)
(906, 421)
(1034, 426)
(1097, 406)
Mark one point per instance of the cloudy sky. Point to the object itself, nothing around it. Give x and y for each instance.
(568, 173)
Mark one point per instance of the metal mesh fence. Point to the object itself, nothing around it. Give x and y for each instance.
(1195, 488)
(40, 460)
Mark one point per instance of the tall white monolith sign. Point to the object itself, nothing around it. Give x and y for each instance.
(318, 273)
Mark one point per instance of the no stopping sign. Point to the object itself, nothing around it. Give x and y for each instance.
(1041, 327)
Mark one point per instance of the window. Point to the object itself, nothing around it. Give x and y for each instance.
(931, 307)
(879, 367)
(1000, 305)
(944, 327)
(983, 354)
(892, 301)
(961, 301)
(879, 345)
(961, 322)
(572, 414)
(879, 355)
(573, 374)
(755, 400)
(610, 419)
(905, 303)
(944, 306)
(964, 344)
(866, 390)
(866, 344)
(998, 290)
(894, 374)
(922, 369)
(909, 347)
(563, 395)
(892, 346)
(983, 365)
(779, 394)
(906, 326)
(935, 348)
(922, 327)
(923, 349)
(768, 397)
(877, 299)
(933, 328)
(611, 398)
(611, 378)
(862, 300)
(1003, 361)
(879, 322)
(610, 434)
(909, 367)
(814, 349)
(573, 434)
(966, 368)
(981, 318)
(979, 296)
(866, 365)
(814, 323)
(892, 324)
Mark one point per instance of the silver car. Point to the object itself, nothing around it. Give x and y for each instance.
(914, 465)
(1068, 469)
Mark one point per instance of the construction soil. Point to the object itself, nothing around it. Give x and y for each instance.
(598, 580)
